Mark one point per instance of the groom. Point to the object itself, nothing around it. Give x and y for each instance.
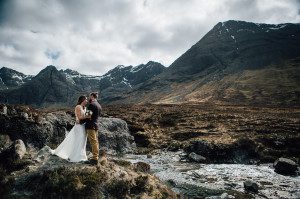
(92, 127)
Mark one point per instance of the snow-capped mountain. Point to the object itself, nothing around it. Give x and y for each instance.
(10, 78)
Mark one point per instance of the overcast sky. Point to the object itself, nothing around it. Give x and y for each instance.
(93, 36)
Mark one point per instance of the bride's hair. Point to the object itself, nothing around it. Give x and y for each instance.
(81, 99)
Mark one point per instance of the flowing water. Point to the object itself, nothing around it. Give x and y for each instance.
(184, 176)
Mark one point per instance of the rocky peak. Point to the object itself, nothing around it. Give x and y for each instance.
(10, 78)
(70, 72)
(130, 75)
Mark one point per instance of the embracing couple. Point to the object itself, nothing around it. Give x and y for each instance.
(73, 147)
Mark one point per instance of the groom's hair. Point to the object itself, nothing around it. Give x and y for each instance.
(94, 94)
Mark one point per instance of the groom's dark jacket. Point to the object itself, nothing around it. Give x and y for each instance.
(92, 123)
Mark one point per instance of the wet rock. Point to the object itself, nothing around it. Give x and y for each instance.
(172, 182)
(285, 166)
(142, 167)
(223, 196)
(196, 158)
(149, 156)
(251, 186)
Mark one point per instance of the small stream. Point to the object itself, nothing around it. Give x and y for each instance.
(186, 177)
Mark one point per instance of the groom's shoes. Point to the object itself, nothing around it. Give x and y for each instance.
(91, 162)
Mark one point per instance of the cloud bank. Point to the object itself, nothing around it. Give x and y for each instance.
(93, 36)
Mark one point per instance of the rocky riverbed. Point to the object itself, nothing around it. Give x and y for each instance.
(196, 180)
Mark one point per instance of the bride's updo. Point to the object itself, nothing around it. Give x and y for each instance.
(81, 99)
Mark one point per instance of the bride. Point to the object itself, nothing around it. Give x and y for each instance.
(73, 147)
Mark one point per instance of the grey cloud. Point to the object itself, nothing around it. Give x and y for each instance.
(94, 36)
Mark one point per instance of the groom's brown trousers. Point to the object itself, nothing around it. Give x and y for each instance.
(93, 139)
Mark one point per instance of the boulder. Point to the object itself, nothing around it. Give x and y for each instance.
(251, 186)
(285, 166)
(4, 141)
(223, 196)
(196, 158)
(19, 149)
(12, 157)
(114, 135)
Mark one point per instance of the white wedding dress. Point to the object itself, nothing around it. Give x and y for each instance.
(73, 147)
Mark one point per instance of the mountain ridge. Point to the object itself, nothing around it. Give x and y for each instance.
(62, 87)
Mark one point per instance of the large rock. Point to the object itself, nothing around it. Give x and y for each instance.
(14, 152)
(196, 158)
(285, 166)
(19, 149)
(251, 186)
(50, 129)
(114, 135)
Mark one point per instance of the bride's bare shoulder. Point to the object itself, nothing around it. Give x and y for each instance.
(78, 107)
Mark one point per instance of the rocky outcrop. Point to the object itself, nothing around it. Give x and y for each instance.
(49, 128)
(241, 151)
(51, 177)
(285, 166)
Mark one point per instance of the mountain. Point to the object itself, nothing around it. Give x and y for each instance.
(10, 78)
(122, 79)
(235, 62)
(52, 87)
(49, 86)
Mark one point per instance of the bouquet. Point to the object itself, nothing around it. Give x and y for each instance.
(88, 113)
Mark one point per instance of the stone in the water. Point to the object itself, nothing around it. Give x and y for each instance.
(251, 186)
(142, 167)
(196, 158)
(223, 196)
(285, 166)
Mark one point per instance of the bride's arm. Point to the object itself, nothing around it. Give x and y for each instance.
(78, 113)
